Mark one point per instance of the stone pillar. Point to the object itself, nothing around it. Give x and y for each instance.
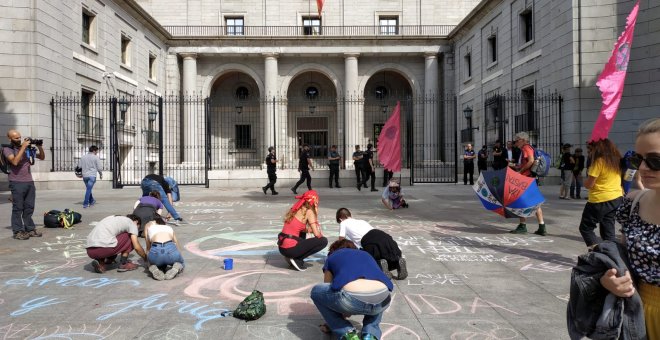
(191, 116)
(353, 108)
(431, 128)
(270, 89)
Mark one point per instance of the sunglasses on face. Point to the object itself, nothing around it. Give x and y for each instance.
(652, 161)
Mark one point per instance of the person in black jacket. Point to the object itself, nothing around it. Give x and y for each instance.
(271, 168)
(566, 166)
(369, 168)
(576, 185)
(304, 164)
(499, 156)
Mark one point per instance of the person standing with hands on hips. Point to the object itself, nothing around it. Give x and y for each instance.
(20, 155)
(468, 164)
(333, 163)
(304, 164)
(271, 168)
(90, 165)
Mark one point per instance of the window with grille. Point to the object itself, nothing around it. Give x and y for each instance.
(235, 25)
(311, 25)
(243, 136)
(389, 25)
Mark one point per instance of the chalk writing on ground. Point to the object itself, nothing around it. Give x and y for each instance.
(438, 305)
(170, 334)
(70, 245)
(484, 329)
(64, 281)
(35, 303)
(27, 331)
(430, 279)
(202, 313)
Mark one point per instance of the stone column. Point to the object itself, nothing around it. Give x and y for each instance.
(353, 108)
(431, 106)
(270, 89)
(191, 117)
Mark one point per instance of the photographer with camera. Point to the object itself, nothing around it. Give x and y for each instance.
(20, 155)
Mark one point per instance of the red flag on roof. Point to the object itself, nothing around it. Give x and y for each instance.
(319, 5)
(389, 141)
(611, 80)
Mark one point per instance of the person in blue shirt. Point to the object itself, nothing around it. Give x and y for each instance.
(353, 285)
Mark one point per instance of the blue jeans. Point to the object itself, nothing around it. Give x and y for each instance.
(149, 185)
(89, 185)
(163, 255)
(334, 304)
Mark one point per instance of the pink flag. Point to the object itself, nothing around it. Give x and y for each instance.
(389, 141)
(319, 5)
(611, 80)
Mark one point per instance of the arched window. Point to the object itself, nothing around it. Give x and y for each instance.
(242, 93)
(311, 92)
(381, 92)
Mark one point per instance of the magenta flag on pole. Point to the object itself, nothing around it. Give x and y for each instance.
(389, 141)
(611, 80)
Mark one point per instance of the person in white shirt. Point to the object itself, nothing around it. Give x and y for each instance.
(378, 243)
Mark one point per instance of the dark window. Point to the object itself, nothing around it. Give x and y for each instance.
(234, 25)
(87, 21)
(311, 26)
(527, 25)
(242, 93)
(468, 65)
(492, 48)
(152, 67)
(377, 129)
(311, 92)
(243, 136)
(381, 92)
(389, 25)
(85, 99)
(125, 50)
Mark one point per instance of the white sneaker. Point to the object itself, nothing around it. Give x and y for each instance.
(299, 266)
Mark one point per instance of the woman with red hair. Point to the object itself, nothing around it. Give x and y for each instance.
(301, 219)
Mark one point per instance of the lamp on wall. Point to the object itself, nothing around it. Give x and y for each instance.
(239, 109)
(152, 115)
(467, 112)
(384, 108)
(123, 105)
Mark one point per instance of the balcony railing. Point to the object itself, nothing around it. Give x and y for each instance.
(89, 127)
(231, 32)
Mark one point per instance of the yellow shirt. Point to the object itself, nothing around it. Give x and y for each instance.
(608, 183)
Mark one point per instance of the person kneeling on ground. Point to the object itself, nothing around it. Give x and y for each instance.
(378, 243)
(154, 182)
(393, 196)
(148, 208)
(301, 219)
(163, 250)
(353, 285)
(114, 235)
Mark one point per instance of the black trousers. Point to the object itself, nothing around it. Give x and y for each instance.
(305, 248)
(599, 213)
(468, 169)
(387, 176)
(334, 172)
(483, 166)
(23, 196)
(272, 179)
(304, 176)
(369, 173)
(358, 172)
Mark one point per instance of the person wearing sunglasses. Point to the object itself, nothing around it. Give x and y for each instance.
(639, 215)
(605, 193)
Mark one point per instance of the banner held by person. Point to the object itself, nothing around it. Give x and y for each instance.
(389, 141)
(611, 80)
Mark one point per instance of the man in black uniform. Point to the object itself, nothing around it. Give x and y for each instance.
(358, 163)
(369, 168)
(304, 165)
(499, 156)
(468, 164)
(333, 163)
(271, 167)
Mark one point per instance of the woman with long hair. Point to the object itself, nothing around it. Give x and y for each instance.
(640, 217)
(302, 218)
(605, 192)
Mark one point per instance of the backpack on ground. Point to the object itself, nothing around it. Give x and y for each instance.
(174, 187)
(252, 308)
(542, 161)
(61, 219)
(5, 167)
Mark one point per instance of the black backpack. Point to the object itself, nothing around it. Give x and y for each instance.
(61, 219)
(5, 167)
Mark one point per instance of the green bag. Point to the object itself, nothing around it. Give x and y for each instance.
(252, 308)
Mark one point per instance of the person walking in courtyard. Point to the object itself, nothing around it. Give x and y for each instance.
(639, 216)
(163, 250)
(112, 236)
(20, 154)
(333, 163)
(352, 285)
(369, 169)
(605, 193)
(482, 159)
(271, 169)
(567, 165)
(302, 218)
(524, 165)
(304, 164)
(90, 164)
(358, 163)
(154, 182)
(576, 185)
(468, 164)
(378, 243)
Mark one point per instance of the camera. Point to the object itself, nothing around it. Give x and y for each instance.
(37, 142)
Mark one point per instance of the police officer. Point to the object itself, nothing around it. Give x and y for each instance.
(333, 163)
(271, 168)
(304, 164)
(358, 163)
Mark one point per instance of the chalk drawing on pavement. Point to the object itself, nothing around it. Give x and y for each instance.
(170, 334)
(27, 331)
(484, 329)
